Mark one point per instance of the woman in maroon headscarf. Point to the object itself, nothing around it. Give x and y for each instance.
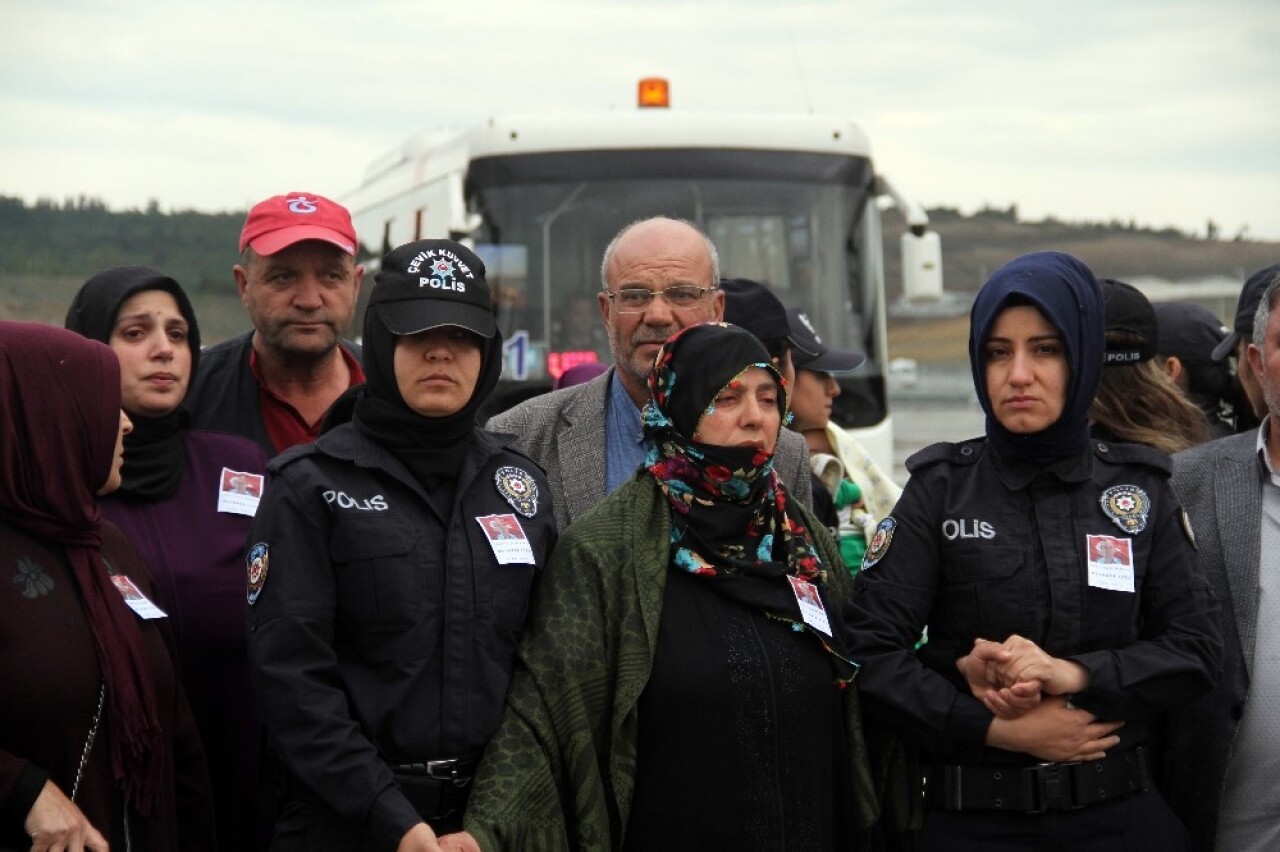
(96, 741)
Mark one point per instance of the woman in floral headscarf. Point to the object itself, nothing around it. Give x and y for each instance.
(684, 673)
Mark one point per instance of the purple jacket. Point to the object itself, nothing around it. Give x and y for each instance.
(196, 555)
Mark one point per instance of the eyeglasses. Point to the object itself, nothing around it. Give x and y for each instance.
(635, 300)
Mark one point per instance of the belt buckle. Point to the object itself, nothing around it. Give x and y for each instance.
(446, 770)
(1053, 787)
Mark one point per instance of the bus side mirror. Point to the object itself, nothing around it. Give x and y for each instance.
(921, 266)
(921, 248)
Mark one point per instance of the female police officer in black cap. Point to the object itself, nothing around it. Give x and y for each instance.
(388, 571)
(1056, 576)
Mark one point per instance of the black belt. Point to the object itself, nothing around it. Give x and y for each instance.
(449, 769)
(1039, 788)
(437, 789)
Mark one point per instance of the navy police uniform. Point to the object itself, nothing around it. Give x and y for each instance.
(381, 636)
(984, 546)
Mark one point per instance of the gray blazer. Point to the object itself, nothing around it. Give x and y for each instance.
(563, 431)
(1220, 486)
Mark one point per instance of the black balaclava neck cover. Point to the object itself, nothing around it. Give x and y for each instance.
(432, 448)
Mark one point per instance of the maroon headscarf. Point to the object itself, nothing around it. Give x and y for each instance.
(59, 417)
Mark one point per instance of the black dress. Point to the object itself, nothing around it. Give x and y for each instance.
(741, 742)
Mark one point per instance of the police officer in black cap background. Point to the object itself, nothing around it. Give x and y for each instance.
(1188, 334)
(751, 305)
(1249, 404)
(388, 572)
(1137, 401)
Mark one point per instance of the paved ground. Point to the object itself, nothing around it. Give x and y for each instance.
(918, 423)
(939, 405)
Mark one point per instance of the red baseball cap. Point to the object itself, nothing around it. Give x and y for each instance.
(279, 222)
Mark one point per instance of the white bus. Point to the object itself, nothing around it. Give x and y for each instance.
(789, 200)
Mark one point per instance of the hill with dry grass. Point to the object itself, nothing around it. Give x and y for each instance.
(975, 246)
(47, 251)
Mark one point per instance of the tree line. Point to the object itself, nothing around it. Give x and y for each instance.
(81, 236)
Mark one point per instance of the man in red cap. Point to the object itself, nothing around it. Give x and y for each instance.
(299, 280)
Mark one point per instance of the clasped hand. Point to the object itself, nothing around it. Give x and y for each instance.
(421, 838)
(1009, 677)
(1023, 686)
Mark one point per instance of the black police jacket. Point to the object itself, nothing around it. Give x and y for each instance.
(981, 547)
(379, 634)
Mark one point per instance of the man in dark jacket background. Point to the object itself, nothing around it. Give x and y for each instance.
(299, 281)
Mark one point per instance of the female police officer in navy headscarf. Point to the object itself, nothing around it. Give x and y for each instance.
(1033, 698)
(384, 608)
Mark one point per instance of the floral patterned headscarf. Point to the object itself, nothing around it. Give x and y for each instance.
(729, 513)
(732, 522)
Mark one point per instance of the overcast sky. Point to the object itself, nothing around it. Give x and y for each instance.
(1162, 111)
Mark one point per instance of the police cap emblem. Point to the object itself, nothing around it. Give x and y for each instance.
(256, 564)
(518, 488)
(1128, 506)
(879, 544)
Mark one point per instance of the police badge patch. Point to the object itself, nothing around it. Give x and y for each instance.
(256, 563)
(879, 544)
(518, 488)
(1128, 506)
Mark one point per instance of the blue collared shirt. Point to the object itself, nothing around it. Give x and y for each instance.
(624, 443)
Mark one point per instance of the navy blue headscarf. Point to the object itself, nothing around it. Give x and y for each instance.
(1066, 292)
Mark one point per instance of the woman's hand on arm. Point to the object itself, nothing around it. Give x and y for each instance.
(1055, 731)
(54, 822)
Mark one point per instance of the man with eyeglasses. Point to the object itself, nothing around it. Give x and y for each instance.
(659, 275)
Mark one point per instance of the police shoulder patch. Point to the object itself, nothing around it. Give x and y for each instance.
(879, 544)
(256, 564)
(517, 487)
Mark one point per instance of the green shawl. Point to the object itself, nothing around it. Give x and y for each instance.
(560, 771)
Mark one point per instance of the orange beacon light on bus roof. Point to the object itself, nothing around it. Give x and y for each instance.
(654, 92)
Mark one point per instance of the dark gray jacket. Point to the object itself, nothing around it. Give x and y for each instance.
(1220, 486)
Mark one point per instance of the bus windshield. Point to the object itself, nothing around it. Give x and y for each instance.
(794, 221)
